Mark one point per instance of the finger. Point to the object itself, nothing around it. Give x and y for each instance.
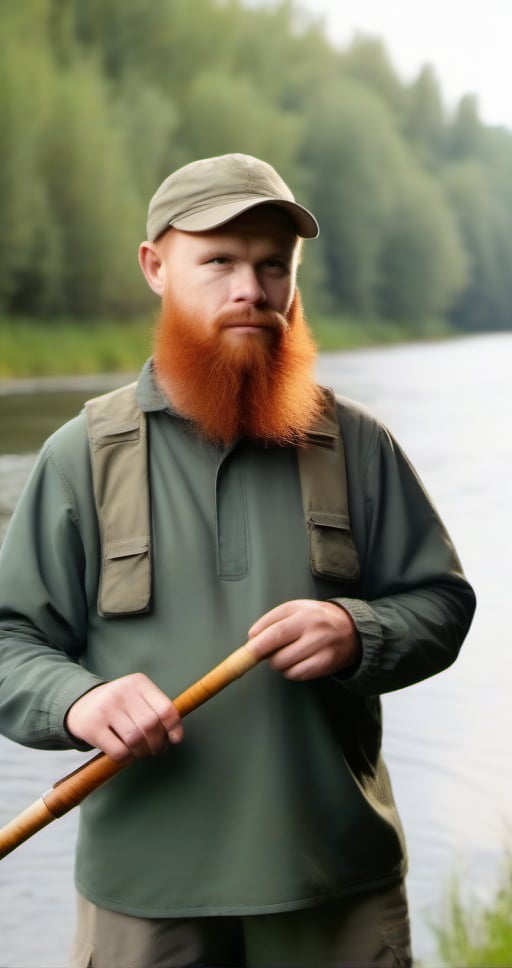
(134, 721)
(123, 740)
(142, 735)
(165, 711)
(276, 637)
(274, 615)
(110, 743)
(298, 651)
(128, 716)
(149, 729)
(303, 671)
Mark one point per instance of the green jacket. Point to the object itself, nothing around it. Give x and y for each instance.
(278, 798)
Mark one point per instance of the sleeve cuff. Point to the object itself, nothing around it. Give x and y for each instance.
(370, 634)
(72, 689)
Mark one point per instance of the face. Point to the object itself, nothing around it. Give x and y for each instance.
(247, 265)
(232, 350)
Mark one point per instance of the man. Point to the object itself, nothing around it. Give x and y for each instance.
(267, 833)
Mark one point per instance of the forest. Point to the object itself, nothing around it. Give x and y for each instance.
(100, 100)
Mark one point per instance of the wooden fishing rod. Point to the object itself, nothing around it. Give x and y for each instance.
(73, 788)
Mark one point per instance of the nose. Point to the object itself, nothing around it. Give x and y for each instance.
(247, 286)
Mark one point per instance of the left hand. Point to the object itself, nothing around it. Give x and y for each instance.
(306, 639)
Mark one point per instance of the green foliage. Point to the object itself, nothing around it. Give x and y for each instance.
(423, 263)
(346, 332)
(25, 85)
(353, 150)
(424, 121)
(367, 61)
(93, 197)
(147, 121)
(391, 243)
(100, 100)
(36, 348)
(225, 113)
(484, 222)
(465, 134)
(477, 935)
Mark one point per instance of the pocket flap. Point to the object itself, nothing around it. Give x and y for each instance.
(126, 547)
(332, 550)
(330, 520)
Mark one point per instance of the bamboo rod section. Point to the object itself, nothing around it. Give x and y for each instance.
(69, 791)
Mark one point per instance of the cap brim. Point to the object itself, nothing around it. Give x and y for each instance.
(211, 218)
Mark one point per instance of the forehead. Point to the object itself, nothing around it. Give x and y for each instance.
(264, 225)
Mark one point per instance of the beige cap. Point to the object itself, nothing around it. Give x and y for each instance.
(210, 192)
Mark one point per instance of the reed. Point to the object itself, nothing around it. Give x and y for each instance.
(475, 935)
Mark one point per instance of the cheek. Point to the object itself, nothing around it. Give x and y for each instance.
(208, 297)
(280, 296)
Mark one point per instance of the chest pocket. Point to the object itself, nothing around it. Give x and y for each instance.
(323, 480)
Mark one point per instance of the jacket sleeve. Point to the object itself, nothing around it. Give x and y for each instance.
(43, 612)
(415, 606)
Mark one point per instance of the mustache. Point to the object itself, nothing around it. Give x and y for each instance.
(250, 316)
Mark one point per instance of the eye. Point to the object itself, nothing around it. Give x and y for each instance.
(276, 266)
(218, 260)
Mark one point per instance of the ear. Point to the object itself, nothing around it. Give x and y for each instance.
(151, 264)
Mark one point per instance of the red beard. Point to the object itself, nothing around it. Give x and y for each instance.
(260, 386)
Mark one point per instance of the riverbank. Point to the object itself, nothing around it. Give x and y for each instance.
(39, 348)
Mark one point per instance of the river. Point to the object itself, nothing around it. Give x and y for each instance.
(446, 740)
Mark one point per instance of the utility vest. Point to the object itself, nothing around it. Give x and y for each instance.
(119, 456)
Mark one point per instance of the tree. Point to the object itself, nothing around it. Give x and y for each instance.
(368, 62)
(466, 133)
(423, 263)
(424, 124)
(223, 113)
(148, 122)
(25, 94)
(354, 154)
(485, 228)
(99, 213)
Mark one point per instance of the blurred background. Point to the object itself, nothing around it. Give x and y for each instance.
(413, 190)
(392, 121)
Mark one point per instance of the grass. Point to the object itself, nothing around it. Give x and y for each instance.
(31, 347)
(477, 936)
(335, 333)
(35, 348)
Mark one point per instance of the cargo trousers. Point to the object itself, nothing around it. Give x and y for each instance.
(362, 931)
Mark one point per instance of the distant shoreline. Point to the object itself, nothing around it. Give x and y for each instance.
(102, 380)
(95, 382)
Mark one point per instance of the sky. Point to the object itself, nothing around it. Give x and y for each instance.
(467, 42)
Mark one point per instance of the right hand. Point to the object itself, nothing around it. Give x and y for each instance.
(127, 718)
